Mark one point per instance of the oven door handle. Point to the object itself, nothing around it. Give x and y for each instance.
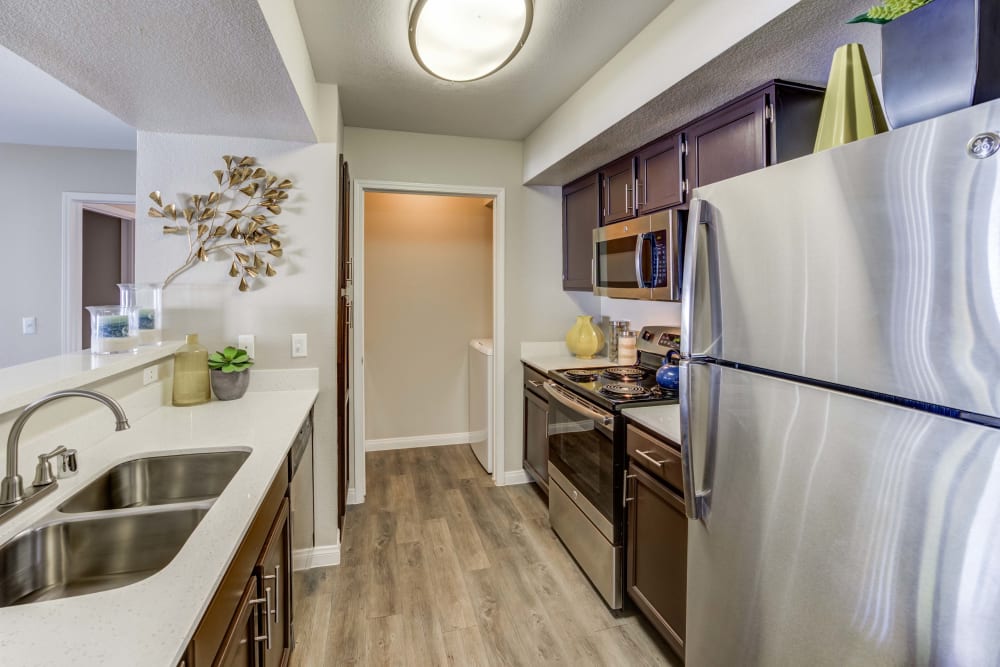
(576, 405)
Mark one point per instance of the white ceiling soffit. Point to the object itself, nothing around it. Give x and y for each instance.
(363, 47)
(185, 66)
(796, 46)
(41, 110)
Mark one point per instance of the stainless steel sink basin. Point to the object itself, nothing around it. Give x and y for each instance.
(73, 557)
(158, 480)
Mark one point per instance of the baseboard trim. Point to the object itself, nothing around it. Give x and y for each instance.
(384, 444)
(307, 559)
(512, 477)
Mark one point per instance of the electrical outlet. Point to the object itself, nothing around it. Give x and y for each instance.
(29, 326)
(246, 342)
(300, 345)
(150, 375)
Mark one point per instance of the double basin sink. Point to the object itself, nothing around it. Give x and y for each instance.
(123, 527)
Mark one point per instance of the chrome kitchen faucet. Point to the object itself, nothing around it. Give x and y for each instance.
(12, 493)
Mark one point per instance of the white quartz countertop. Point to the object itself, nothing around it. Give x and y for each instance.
(662, 419)
(545, 357)
(151, 622)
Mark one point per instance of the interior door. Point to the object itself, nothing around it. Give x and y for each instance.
(344, 326)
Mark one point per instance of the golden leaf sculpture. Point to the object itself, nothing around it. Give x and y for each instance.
(235, 220)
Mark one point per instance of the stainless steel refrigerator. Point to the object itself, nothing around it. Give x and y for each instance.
(841, 405)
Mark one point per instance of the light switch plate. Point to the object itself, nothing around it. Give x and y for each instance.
(246, 342)
(300, 345)
(29, 326)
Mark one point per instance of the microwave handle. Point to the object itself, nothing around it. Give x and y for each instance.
(640, 242)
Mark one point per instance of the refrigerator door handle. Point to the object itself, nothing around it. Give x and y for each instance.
(697, 217)
(695, 502)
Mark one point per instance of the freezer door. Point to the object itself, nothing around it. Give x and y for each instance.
(874, 265)
(838, 530)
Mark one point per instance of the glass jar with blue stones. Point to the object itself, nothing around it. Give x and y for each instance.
(112, 329)
(147, 299)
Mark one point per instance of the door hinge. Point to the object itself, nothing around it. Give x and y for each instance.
(684, 147)
(769, 112)
(684, 186)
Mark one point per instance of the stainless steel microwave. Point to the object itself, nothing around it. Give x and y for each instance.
(640, 258)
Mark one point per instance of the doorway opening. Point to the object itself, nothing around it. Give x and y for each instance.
(98, 252)
(428, 280)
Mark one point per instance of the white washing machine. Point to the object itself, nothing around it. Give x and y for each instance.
(481, 400)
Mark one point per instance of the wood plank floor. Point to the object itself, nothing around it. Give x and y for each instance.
(440, 567)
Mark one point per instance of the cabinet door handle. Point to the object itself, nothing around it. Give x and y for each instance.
(266, 601)
(640, 184)
(277, 591)
(628, 200)
(645, 455)
(535, 383)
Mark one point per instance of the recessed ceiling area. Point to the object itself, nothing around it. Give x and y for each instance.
(363, 47)
(41, 110)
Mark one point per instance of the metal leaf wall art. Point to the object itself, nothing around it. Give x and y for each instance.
(237, 219)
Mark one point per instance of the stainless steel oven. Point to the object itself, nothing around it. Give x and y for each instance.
(640, 258)
(582, 474)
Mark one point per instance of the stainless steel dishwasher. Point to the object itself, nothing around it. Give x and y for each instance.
(303, 509)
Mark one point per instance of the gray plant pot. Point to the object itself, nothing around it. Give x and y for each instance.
(940, 58)
(230, 386)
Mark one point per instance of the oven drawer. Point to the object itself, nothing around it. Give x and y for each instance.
(598, 558)
(655, 456)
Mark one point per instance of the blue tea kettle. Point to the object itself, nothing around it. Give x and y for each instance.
(668, 376)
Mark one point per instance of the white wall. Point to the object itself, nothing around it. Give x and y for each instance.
(34, 178)
(536, 306)
(428, 292)
(688, 34)
(300, 299)
(642, 313)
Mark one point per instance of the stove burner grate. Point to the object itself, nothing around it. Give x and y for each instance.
(626, 391)
(581, 375)
(626, 373)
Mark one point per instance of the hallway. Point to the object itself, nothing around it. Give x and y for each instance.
(440, 567)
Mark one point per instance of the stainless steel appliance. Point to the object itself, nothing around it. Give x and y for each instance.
(587, 456)
(640, 258)
(840, 405)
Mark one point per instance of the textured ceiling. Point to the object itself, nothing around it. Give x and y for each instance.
(38, 109)
(189, 66)
(796, 46)
(363, 47)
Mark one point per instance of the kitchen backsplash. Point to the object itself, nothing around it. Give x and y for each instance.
(642, 313)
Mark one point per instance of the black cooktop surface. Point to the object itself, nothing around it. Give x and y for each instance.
(615, 387)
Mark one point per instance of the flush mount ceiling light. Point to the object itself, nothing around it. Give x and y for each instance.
(465, 40)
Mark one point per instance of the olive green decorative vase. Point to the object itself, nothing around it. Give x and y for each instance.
(851, 107)
(585, 340)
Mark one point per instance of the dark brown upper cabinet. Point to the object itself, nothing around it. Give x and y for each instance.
(770, 125)
(581, 216)
(660, 180)
(619, 191)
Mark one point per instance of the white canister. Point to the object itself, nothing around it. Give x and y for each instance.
(627, 353)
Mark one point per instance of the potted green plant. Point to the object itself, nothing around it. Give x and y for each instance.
(937, 56)
(230, 378)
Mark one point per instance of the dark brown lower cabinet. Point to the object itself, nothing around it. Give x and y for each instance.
(239, 646)
(657, 554)
(536, 438)
(272, 584)
(247, 623)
